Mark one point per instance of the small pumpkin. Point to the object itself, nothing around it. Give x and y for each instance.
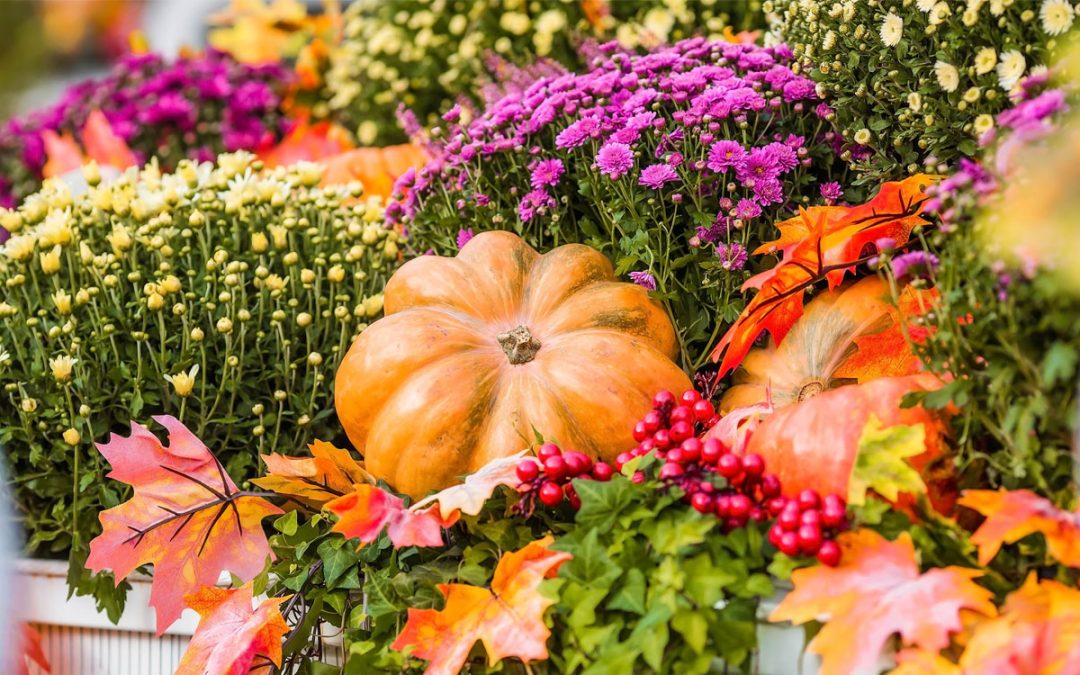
(478, 351)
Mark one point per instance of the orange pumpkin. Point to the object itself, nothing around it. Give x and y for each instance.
(477, 351)
(375, 168)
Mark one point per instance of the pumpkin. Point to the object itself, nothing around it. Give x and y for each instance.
(478, 351)
(375, 168)
(848, 336)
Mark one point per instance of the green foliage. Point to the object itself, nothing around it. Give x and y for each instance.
(216, 295)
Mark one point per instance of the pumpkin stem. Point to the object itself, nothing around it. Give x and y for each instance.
(519, 344)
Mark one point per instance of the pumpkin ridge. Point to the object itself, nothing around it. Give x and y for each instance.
(589, 267)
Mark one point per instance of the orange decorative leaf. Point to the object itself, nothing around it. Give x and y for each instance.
(29, 646)
(1012, 515)
(923, 662)
(875, 593)
(186, 516)
(365, 512)
(62, 154)
(508, 618)
(375, 168)
(821, 243)
(469, 497)
(1037, 633)
(103, 145)
(232, 638)
(736, 427)
(328, 474)
(308, 143)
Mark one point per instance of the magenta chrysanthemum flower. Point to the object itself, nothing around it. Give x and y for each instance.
(914, 264)
(615, 160)
(464, 236)
(644, 279)
(656, 175)
(732, 256)
(747, 209)
(831, 191)
(546, 173)
(724, 155)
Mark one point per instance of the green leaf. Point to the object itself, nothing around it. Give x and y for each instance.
(881, 462)
(693, 627)
(630, 593)
(336, 560)
(601, 503)
(706, 580)
(591, 566)
(672, 534)
(1059, 364)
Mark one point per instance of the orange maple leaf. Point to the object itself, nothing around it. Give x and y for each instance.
(366, 511)
(376, 168)
(821, 243)
(1012, 515)
(308, 143)
(875, 593)
(103, 145)
(232, 637)
(508, 618)
(62, 154)
(30, 651)
(186, 516)
(328, 474)
(1037, 633)
(470, 496)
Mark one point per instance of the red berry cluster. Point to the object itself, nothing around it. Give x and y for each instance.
(806, 524)
(549, 479)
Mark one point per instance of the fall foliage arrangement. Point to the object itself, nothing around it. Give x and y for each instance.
(647, 333)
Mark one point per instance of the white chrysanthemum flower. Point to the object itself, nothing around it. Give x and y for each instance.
(1056, 16)
(985, 60)
(892, 29)
(1010, 69)
(948, 76)
(939, 13)
(983, 123)
(914, 101)
(925, 5)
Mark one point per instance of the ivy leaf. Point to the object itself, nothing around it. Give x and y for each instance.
(881, 463)
(329, 473)
(1012, 515)
(508, 618)
(602, 502)
(186, 516)
(365, 512)
(231, 636)
(875, 593)
(590, 566)
(630, 593)
(469, 497)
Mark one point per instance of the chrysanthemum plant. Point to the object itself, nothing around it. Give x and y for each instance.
(220, 294)
(675, 164)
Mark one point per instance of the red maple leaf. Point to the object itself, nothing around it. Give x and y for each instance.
(366, 511)
(232, 638)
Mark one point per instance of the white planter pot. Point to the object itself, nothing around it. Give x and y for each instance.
(79, 641)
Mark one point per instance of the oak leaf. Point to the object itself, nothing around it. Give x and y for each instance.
(881, 464)
(232, 638)
(508, 618)
(29, 650)
(1012, 515)
(186, 517)
(366, 511)
(875, 593)
(469, 497)
(328, 474)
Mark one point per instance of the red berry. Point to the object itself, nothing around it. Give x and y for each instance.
(647, 445)
(620, 461)
(575, 502)
(548, 450)
(638, 478)
(689, 397)
(670, 470)
(753, 465)
(789, 544)
(809, 539)
(703, 411)
(788, 519)
(527, 469)
(676, 455)
(775, 532)
(577, 463)
(831, 517)
(555, 468)
(691, 449)
(829, 553)
(640, 432)
(757, 514)
(740, 506)
(551, 494)
(722, 505)
(770, 485)
(809, 499)
(680, 431)
(729, 465)
(834, 501)
(707, 488)
(733, 523)
(652, 421)
(602, 471)
(701, 502)
(663, 399)
(660, 454)
(810, 517)
(682, 413)
(711, 450)
(639, 452)
(662, 439)
(776, 505)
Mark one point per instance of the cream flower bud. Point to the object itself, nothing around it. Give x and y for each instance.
(258, 409)
(62, 301)
(336, 274)
(72, 437)
(29, 405)
(61, 367)
(183, 383)
(314, 359)
(6, 310)
(259, 242)
(155, 302)
(197, 334)
(373, 305)
(224, 325)
(303, 319)
(84, 410)
(171, 285)
(280, 236)
(50, 262)
(291, 258)
(307, 276)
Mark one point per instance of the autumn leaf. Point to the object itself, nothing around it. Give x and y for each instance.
(328, 474)
(881, 463)
(1012, 515)
(186, 517)
(376, 168)
(1037, 633)
(103, 145)
(821, 243)
(29, 646)
(736, 427)
(62, 154)
(232, 637)
(308, 143)
(508, 618)
(875, 593)
(923, 662)
(470, 496)
(365, 512)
